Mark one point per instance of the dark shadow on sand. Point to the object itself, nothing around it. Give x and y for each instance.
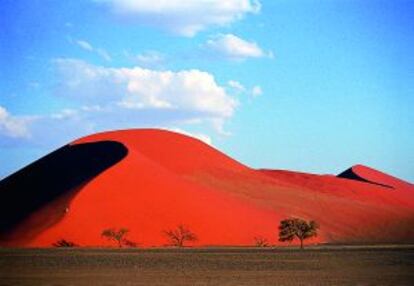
(349, 174)
(53, 176)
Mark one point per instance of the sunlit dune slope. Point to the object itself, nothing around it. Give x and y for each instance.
(151, 180)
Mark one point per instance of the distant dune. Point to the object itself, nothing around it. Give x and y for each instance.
(151, 180)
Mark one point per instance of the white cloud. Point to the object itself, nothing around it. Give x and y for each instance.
(104, 98)
(84, 45)
(200, 136)
(65, 113)
(256, 91)
(192, 91)
(149, 58)
(233, 47)
(131, 97)
(183, 17)
(187, 98)
(237, 86)
(88, 47)
(69, 124)
(218, 125)
(13, 126)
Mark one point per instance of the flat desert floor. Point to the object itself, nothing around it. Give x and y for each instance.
(328, 265)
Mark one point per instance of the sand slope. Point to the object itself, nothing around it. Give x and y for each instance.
(151, 180)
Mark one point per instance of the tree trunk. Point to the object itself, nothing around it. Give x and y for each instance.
(301, 243)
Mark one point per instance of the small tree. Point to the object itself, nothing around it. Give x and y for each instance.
(299, 228)
(130, 243)
(261, 241)
(64, 243)
(117, 235)
(181, 234)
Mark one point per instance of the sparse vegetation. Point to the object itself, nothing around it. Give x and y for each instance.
(64, 243)
(299, 228)
(130, 243)
(118, 236)
(179, 235)
(261, 241)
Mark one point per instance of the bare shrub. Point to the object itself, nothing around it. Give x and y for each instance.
(261, 241)
(116, 235)
(64, 243)
(180, 235)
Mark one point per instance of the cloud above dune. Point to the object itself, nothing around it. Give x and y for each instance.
(182, 17)
(106, 98)
(13, 126)
(193, 91)
(85, 45)
(233, 47)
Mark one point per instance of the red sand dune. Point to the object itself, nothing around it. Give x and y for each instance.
(163, 179)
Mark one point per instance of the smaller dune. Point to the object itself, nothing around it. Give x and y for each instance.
(369, 175)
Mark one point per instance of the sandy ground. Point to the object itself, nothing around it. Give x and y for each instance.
(339, 265)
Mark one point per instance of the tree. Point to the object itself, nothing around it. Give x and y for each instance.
(261, 241)
(117, 235)
(130, 243)
(64, 243)
(296, 227)
(181, 234)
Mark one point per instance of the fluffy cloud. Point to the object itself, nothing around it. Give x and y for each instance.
(192, 91)
(233, 47)
(105, 98)
(183, 17)
(13, 126)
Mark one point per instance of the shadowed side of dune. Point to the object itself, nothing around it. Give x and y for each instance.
(351, 175)
(52, 178)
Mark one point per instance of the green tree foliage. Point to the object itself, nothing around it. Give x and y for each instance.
(296, 227)
(180, 235)
(117, 235)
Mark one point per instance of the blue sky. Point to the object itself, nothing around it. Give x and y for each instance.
(314, 86)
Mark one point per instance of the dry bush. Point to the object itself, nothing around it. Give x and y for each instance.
(261, 241)
(64, 243)
(180, 235)
(116, 235)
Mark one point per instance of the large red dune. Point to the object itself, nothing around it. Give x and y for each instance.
(149, 181)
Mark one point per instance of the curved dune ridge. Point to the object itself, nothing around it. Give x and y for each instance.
(372, 176)
(149, 181)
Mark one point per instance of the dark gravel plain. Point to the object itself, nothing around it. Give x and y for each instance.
(328, 265)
